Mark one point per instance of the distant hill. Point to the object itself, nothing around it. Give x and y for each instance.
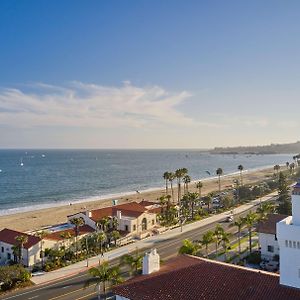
(293, 148)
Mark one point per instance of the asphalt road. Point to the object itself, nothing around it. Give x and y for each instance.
(72, 287)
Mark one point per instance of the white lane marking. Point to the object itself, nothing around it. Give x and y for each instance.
(64, 287)
(34, 297)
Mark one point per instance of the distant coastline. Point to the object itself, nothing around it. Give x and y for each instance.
(291, 148)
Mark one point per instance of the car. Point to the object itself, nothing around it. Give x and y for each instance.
(39, 273)
(229, 219)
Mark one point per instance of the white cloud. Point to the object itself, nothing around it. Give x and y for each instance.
(89, 105)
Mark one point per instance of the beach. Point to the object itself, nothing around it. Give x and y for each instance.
(34, 220)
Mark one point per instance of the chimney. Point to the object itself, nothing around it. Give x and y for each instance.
(151, 262)
(119, 214)
(88, 213)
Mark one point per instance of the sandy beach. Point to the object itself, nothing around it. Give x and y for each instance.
(37, 219)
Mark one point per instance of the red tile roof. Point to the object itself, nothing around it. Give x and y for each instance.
(269, 225)
(191, 278)
(9, 236)
(57, 236)
(147, 203)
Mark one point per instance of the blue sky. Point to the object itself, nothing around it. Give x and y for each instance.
(148, 74)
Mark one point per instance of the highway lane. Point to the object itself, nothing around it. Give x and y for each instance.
(72, 288)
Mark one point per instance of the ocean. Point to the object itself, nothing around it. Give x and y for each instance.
(34, 179)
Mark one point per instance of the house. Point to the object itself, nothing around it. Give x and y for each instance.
(136, 219)
(267, 236)
(192, 278)
(30, 251)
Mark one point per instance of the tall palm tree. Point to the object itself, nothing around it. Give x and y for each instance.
(189, 247)
(21, 240)
(42, 234)
(166, 177)
(192, 197)
(219, 172)
(239, 223)
(265, 209)
(207, 239)
(186, 180)
(115, 235)
(171, 178)
(287, 165)
(114, 223)
(250, 221)
(66, 237)
(105, 275)
(178, 175)
(103, 224)
(225, 242)
(101, 238)
(241, 168)
(217, 237)
(277, 168)
(292, 168)
(134, 262)
(77, 222)
(199, 186)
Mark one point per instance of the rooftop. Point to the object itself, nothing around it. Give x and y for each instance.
(9, 236)
(269, 225)
(194, 278)
(58, 235)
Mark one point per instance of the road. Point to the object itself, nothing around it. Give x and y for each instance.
(71, 288)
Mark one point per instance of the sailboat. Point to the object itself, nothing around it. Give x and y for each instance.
(21, 163)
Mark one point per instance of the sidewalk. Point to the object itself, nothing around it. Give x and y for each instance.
(146, 243)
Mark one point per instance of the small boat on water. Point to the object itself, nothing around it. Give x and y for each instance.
(43, 155)
(21, 162)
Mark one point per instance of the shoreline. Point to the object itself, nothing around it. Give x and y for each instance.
(41, 218)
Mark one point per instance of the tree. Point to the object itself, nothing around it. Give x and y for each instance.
(207, 239)
(101, 238)
(239, 223)
(287, 165)
(189, 247)
(179, 174)
(103, 224)
(115, 235)
(284, 198)
(21, 240)
(241, 168)
(277, 168)
(217, 237)
(225, 242)
(77, 222)
(171, 178)
(219, 172)
(134, 262)
(114, 223)
(250, 221)
(292, 168)
(65, 236)
(265, 209)
(199, 186)
(42, 234)
(105, 275)
(166, 177)
(186, 180)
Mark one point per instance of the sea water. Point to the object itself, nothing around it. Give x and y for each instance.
(33, 179)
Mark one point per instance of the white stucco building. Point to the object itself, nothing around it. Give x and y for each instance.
(288, 235)
(267, 236)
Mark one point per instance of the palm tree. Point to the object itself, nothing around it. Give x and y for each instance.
(265, 209)
(189, 247)
(186, 180)
(250, 221)
(21, 240)
(166, 177)
(77, 222)
(105, 275)
(207, 239)
(217, 237)
(287, 165)
(101, 238)
(241, 168)
(115, 235)
(114, 223)
(199, 186)
(292, 168)
(42, 234)
(178, 175)
(239, 223)
(171, 178)
(277, 168)
(134, 262)
(225, 242)
(219, 172)
(103, 224)
(65, 236)
(192, 197)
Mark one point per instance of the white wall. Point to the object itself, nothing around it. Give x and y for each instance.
(121, 298)
(266, 240)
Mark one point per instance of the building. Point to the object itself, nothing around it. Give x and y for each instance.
(135, 219)
(267, 236)
(193, 278)
(288, 235)
(30, 251)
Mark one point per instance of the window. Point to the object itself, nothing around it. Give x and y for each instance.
(270, 248)
(298, 245)
(134, 227)
(153, 222)
(294, 244)
(2, 249)
(286, 243)
(126, 227)
(290, 244)
(8, 256)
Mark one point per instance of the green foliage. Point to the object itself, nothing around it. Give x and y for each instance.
(254, 258)
(13, 276)
(133, 261)
(189, 247)
(284, 198)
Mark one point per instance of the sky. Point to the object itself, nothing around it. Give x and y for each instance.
(148, 74)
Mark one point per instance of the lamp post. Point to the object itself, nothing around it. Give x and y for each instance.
(87, 251)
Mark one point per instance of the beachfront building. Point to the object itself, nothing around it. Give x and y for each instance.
(267, 236)
(30, 252)
(134, 219)
(288, 234)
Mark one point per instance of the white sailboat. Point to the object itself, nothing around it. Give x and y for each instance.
(21, 163)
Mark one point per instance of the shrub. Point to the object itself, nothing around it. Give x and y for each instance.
(254, 258)
(12, 276)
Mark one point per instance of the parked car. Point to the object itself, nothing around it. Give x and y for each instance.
(229, 219)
